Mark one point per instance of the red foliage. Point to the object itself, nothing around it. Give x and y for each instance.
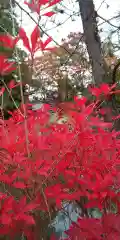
(85, 157)
(35, 5)
(107, 227)
(8, 41)
(43, 164)
(6, 66)
(36, 42)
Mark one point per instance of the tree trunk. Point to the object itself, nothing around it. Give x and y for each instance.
(92, 39)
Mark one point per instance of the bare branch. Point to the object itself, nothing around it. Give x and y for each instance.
(108, 21)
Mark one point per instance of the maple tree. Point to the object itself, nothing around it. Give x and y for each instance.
(44, 164)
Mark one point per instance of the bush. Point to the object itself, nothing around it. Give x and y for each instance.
(44, 164)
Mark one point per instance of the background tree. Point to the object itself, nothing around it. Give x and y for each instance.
(64, 70)
(92, 39)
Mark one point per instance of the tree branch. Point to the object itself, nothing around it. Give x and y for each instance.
(108, 21)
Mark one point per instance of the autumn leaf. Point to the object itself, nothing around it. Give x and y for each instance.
(2, 90)
(34, 37)
(6, 66)
(8, 40)
(49, 14)
(6, 219)
(25, 39)
(29, 220)
(20, 185)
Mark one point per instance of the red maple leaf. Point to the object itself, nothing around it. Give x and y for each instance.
(36, 42)
(35, 5)
(8, 41)
(6, 66)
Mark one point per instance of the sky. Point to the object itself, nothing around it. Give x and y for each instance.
(107, 9)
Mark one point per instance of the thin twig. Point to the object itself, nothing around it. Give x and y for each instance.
(45, 199)
(21, 90)
(108, 21)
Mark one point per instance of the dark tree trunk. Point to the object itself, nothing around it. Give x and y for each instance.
(92, 39)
